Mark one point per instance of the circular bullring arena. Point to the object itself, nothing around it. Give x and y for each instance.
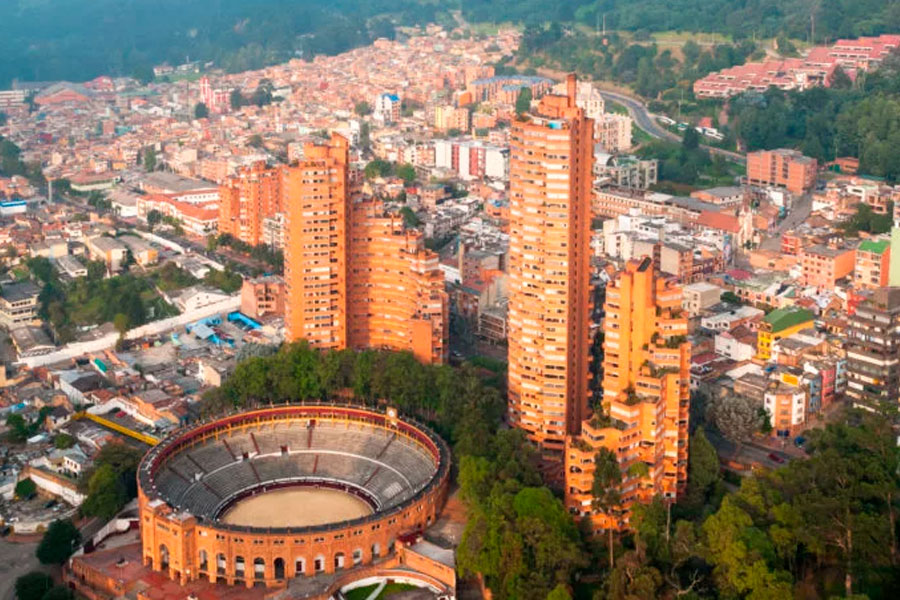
(268, 495)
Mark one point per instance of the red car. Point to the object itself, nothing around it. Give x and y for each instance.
(775, 458)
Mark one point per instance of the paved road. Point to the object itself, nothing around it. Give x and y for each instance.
(798, 214)
(750, 452)
(646, 121)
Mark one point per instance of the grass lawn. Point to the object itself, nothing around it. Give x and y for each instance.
(394, 588)
(360, 593)
(614, 107)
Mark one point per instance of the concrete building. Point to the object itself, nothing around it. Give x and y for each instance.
(18, 303)
(782, 168)
(70, 266)
(873, 259)
(646, 398)
(614, 132)
(699, 296)
(108, 249)
(551, 153)
(626, 171)
(355, 277)
(873, 351)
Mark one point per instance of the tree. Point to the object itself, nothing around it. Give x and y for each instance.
(106, 493)
(255, 140)
(63, 441)
(150, 159)
(605, 491)
(840, 80)
(18, 428)
(691, 139)
(33, 586)
(3, 118)
(736, 417)
(406, 172)
(410, 218)
(362, 109)
(120, 322)
(59, 592)
(154, 218)
(58, 543)
(201, 111)
(703, 471)
(25, 489)
(523, 101)
(730, 297)
(236, 99)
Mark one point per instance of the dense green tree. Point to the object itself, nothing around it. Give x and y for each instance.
(236, 99)
(406, 172)
(605, 491)
(106, 493)
(736, 417)
(58, 592)
(201, 111)
(704, 477)
(58, 543)
(149, 154)
(33, 586)
(25, 489)
(63, 441)
(362, 108)
(523, 101)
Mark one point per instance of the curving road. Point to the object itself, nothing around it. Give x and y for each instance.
(646, 121)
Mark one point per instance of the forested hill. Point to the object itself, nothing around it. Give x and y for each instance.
(80, 39)
(739, 18)
(43, 40)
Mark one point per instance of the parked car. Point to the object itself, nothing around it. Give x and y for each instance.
(775, 458)
(799, 441)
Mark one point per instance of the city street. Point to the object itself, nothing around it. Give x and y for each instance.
(798, 214)
(645, 120)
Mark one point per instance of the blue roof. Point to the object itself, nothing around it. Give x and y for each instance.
(391, 97)
(12, 203)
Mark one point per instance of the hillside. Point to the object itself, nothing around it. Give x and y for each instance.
(80, 39)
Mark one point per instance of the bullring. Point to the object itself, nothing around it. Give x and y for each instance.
(377, 477)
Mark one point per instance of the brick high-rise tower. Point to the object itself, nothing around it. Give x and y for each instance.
(356, 277)
(551, 155)
(646, 398)
(317, 205)
(247, 198)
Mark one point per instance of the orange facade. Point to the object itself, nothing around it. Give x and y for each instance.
(246, 199)
(187, 547)
(823, 266)
(355, 277)
(551, 158)
(784, 168)
(646, 398)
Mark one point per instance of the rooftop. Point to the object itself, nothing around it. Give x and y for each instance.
(783, 318)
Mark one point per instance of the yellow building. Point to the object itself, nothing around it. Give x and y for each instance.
(781, 323)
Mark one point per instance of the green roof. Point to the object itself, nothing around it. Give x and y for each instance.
(783, 318)
(876, 246)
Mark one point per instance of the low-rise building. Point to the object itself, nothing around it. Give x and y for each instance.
(699, 296)
(19, 303)
(872, 269)
(263, 296)
(781, 323)
(109, 250)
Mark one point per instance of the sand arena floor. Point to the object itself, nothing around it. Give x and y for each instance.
(296, 507)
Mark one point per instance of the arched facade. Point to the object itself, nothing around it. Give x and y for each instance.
(254, 556)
